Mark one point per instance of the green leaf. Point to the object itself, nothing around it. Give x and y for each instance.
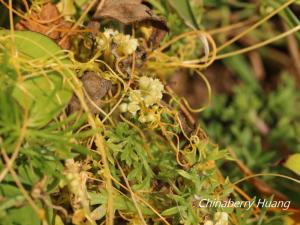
(21, 216)
(292, 163)
(173, 210)
(58, 220)
(184, 9)
(47, 92)
(185, 174)
(97, 198)
(12, 211)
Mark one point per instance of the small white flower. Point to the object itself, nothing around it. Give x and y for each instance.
(123, 107)
(132, 45)
(208, 222)
(143, 119)
(221, 218)
(135, 96)
(133, 107)
(150, 99)
(157, 85)
(152, 90)
(77, 184)
(108, 33)
(125, 44)
(149, 93)
(100, 41)
(144, 82)
(150, 117)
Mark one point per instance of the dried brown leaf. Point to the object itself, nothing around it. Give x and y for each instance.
(48, 22)
(126, 11)
(133, 11)
(96, 88)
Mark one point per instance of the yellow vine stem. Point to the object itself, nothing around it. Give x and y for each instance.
(274, 12)
(145, 202)
(170, 92)
(175, 148)
(25, 3)
(147, 148)
(24, 127)
(13, 46)
(41, 22)
(181, 127)
(231, 27)
(208, 91)
(186, 103)
(193, 64)
(100, 148)
(136, 195)
(12, 28)
(267, 174)
(126, 89)
(132, 194)
(258, 45)
(97, 107)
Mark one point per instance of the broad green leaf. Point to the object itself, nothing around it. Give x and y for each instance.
(185, 11)
(292, 163)
(48, 92)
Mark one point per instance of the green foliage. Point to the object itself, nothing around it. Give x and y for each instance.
(145, 163)
(239, 66)
(249, 120)
(40, 148)
(287, 14)
(46, 92)
(128, 147)
(151, 168)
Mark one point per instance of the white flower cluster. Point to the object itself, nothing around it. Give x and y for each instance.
(77, 184)
(126, 45)
(150, 92)
(220, 218)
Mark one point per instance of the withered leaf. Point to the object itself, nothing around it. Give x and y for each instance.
(46, 21)
(95, 87)
(126, 11)
(133, 11)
